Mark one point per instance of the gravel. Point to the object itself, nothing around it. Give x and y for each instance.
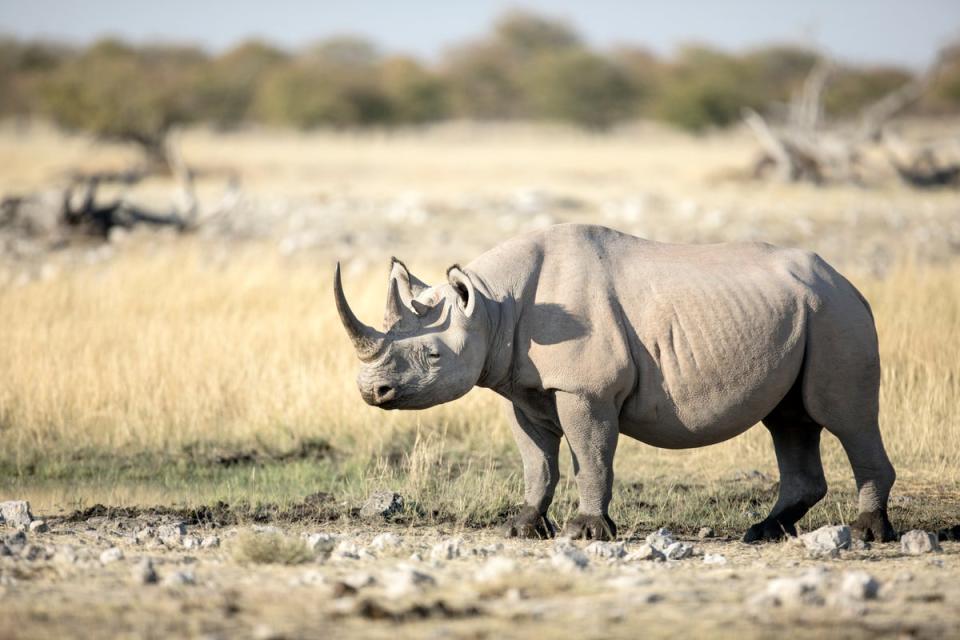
(144, 573)
(567, 557)
(645, 552)
(447, 550)
(611, 550)
(404, 579)
(386, 541)
(678, 551)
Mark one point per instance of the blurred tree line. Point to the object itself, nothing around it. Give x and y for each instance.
(527, 67)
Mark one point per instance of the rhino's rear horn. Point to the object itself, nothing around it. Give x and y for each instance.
(366, 340)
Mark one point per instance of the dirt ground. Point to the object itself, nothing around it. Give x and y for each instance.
(379, 580)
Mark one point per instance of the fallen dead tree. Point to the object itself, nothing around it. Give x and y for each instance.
(807, 148)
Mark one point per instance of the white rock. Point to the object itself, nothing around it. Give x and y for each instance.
(382, 504)
(495, 569)
(386, 541)
(210, 542)
(660, 539)
(144, 535)
(16, 513)
(347, 549)
(144, 573)
(706, 532)
(613, 550)
(322, 542)
(827, 540)
(172, 534)
(446, 550)
(567, 557)
(917, 542)
(714, 558)
(191, 542)
(111, 555)
(645, 552)
(359, 580)
(859, 585)
(179, 579)
(678, 551)
(38, 526)
(404, 579)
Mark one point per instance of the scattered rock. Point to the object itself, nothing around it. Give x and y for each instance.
(171, 535)
(210, 542)
(827, 540)
(322, 542)
(859, 585)
(446, 550)
(66, 554)
(144, 573)
(404, 580)
(111, 555)
(917, 542)
(567, 557)
(144, 535)
(646, 552)
(489, 550)
(382, 504)
(38, 526)
(4, 550)
(612, 550)
(359, 580)
(678, 551)
(180, 579)
(15, 542)
(33, 552)
(706, 532)
(660, 539)
(386, 541)
(495, 569)
(348, 550)
(15, 513)
(802, 590)
(191, 542)
(714, 558)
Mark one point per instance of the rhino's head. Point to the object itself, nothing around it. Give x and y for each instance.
(433, 346)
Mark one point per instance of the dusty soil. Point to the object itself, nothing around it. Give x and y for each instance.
(430, 582)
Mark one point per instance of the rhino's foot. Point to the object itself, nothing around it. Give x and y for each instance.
(770, 530)
(874, 526)
(529, 523)
(591, 528)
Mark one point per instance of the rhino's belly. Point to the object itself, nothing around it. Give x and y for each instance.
(684, 405)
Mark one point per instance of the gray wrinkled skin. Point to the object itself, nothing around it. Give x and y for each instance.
(590, 333)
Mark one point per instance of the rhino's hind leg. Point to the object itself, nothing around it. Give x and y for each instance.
(796, 440)
(875, 477)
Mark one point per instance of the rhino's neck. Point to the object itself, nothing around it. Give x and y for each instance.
(501, 325)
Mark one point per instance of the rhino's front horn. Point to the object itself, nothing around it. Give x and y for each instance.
(366, 340)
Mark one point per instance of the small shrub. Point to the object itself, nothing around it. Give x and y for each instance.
(271, 548)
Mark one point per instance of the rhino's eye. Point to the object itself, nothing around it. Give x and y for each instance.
(434, 355)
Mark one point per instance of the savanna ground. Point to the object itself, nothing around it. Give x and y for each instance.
(206, 380)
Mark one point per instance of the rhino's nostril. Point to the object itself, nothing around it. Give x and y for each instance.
(383, 391)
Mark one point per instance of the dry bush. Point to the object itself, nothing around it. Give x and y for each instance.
(270, 548)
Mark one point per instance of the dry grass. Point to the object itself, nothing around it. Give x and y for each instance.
(253, 547)
(167, 350)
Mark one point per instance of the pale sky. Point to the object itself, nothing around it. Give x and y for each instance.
(906, 32)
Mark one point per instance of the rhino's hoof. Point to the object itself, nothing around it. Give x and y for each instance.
(529, 523)
(874, 526)
(770, 530)
(591, 528)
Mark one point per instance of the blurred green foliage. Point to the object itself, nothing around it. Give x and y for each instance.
(527, 67)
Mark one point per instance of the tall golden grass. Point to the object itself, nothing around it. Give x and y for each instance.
(158, 349)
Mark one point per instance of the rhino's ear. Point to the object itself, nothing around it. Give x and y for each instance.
(408, 285)
(466, 292)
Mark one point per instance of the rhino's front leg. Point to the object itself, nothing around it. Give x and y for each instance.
(540, 451)
(591, 427)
